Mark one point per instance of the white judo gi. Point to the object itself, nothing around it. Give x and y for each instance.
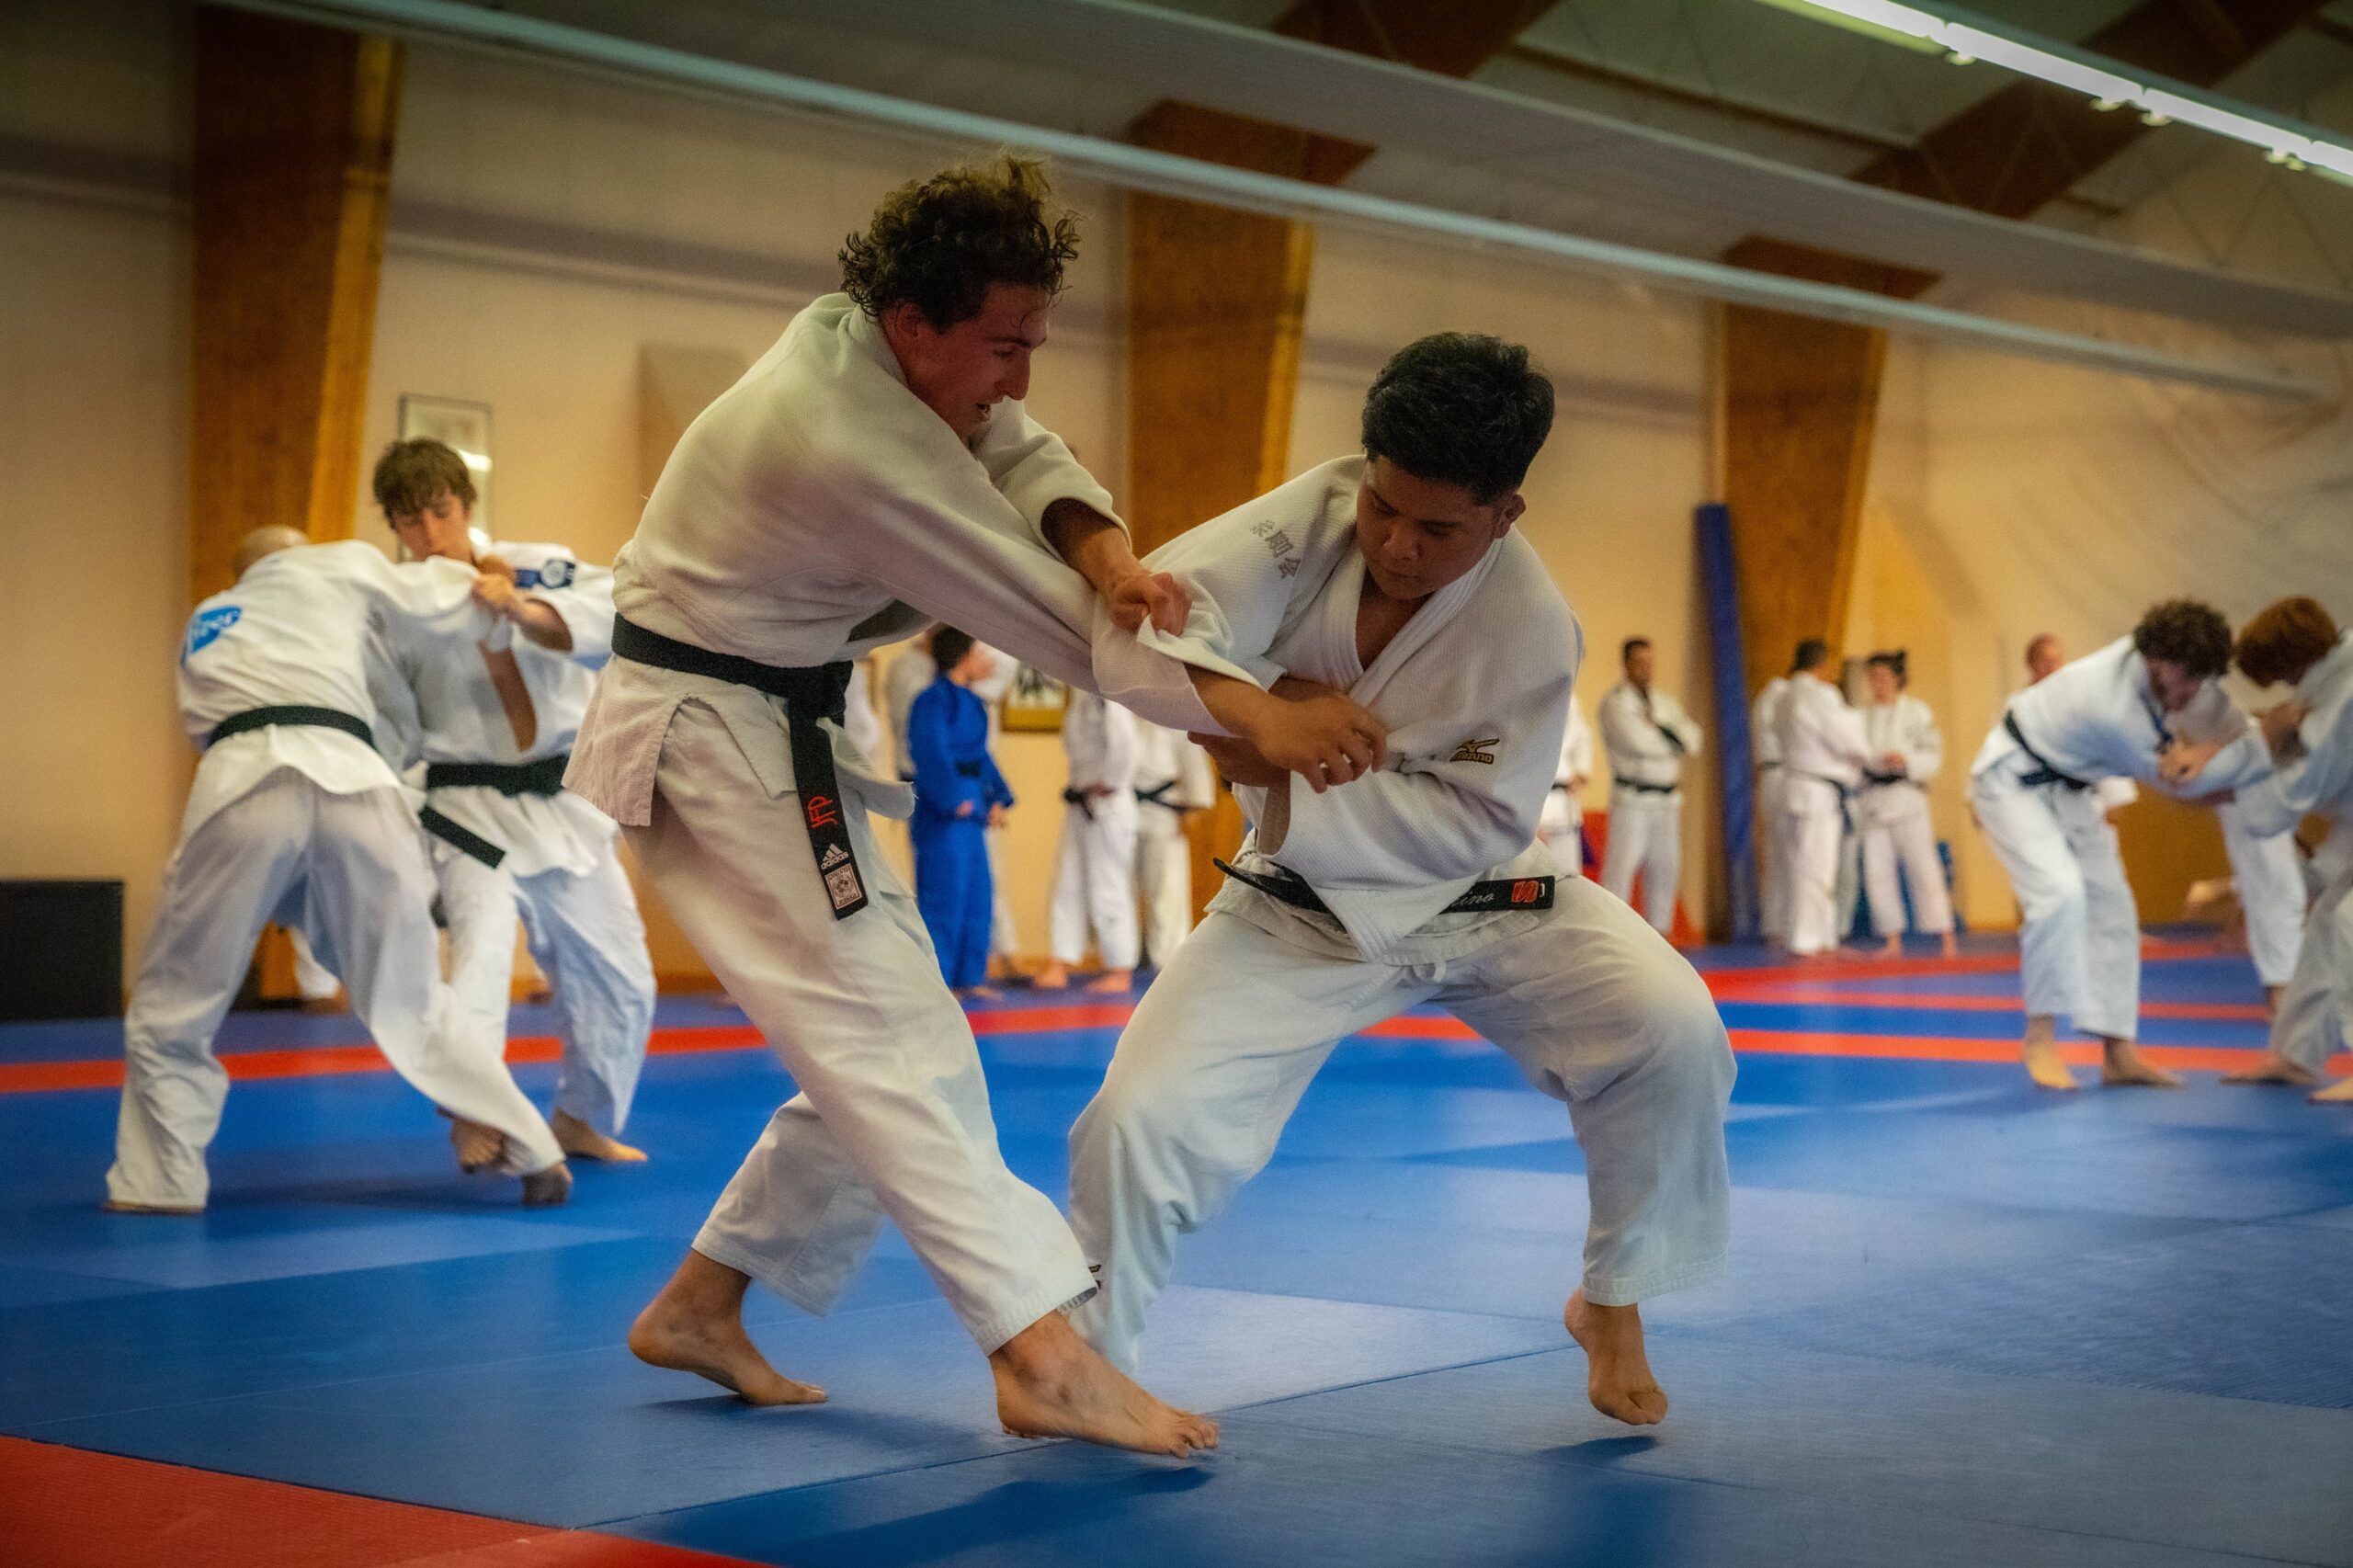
(1095, 863)
(1648, 737)
(1823, 755)
(1596, 1008)
(510, 846)
(1561, 827)
(2315, 1017)
(1173, 779)
(1773, 827)
(2089, 721)
(306, 825)
(2267, 874)
(1891, 818)
(815, 511)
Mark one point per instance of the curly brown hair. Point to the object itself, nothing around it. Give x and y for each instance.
(938, 244)
(415, 473)
(2284, 641)
(2185, 632)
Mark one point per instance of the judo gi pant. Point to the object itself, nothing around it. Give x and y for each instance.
(955, 892)
(1645, 838)
(1561, 827)
(1163, 880)
(892, 1116)
(2079, 945)
(1598, 1011)
(358, 866)
(1094, 884)
(1773, 880)
(2269, 879)
(586, 937)
(1815, 826)
(1005, 936)
(1896, 831)
(2316, 1010)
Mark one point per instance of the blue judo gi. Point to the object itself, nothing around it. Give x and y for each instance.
(947, 738)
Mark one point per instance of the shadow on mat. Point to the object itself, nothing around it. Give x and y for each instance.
(1014, 1511)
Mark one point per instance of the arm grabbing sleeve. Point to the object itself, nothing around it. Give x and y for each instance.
(586, 603)
(1434, 820)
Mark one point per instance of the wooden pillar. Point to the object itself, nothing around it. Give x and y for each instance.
(293, 152)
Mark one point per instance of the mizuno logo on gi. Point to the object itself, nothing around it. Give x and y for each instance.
(834, 856)
(1476, 751)
(822, 811)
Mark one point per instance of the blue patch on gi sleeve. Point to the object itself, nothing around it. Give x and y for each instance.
(205, 628)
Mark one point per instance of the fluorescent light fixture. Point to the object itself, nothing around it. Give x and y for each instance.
(1966, 38)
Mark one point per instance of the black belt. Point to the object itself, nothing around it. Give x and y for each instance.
(1639, 788)
(1871, 777)
(544, 777)
(2043, 772)
(1504, 893)
(811, 694)
(463, 839)
(1158, 796)
(1080, 798)
(317, 718)
(968, 771)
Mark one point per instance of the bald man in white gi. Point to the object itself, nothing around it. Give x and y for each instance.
(1648, 737)
(1560, 828)
(1095, 862)
(1397, 576)
(2123, 711)
(1824, 752)
(2296, 643)
(1773, 849)
(874, 472)
(511, 845)
(1892, 809)
(1173, 781)
(294, 815)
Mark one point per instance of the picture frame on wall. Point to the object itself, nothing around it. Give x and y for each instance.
(1035, 702)
(464, 426)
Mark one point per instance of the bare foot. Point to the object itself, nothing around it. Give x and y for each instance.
(2271, 994)
(695, 1326)
(2273, 1069)
(2044, 1066)
(581, 1141)
(550, 1188)
(1948, 947)
(479, 1148)
(1618, 1374)
(1113, 980)
(1051, 1383)
(117, 1205)
(2124, 1069)
(1054, 977)
(981, 994)
(1892, 947)
(2338, 1093)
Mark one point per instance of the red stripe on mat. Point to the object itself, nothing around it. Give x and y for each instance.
(1793, 984)
(71, 1508)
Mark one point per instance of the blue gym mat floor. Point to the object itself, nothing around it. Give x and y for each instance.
(1964, 1323)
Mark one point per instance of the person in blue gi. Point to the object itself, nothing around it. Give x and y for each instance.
(960, 795)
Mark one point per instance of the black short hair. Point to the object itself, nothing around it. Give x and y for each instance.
(1810, 652)
(1626, 649)
(1459, 408)
(1895, 662)
(2187, 633)
(938, 244)
(948, 647)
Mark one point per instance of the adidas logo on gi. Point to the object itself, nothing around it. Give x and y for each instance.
(834, 856)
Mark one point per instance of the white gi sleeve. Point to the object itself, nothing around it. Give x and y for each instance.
(1923, 744)
(586, 605)
(2324, 773)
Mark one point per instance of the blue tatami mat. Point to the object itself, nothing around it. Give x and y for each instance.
(1961, 1321)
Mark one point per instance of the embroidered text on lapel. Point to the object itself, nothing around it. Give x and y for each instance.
(1476, 751)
